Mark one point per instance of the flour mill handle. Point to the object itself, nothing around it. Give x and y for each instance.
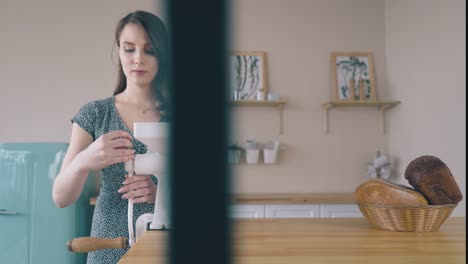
(89, 244)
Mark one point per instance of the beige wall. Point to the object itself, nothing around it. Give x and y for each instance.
(298, 37)
(55, 56)
(425, 51)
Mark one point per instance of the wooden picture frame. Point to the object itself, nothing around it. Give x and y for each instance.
(353, 69)
(248, 74)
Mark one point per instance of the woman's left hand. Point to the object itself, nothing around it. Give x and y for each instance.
(139, 189)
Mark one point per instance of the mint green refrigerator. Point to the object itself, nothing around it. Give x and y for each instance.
(32, 229)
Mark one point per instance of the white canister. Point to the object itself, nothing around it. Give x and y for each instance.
(260, 95)
(252, 155)
(269, 156)
(272, 97)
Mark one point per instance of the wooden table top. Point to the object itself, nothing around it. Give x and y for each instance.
(324, 240)
(286, 198)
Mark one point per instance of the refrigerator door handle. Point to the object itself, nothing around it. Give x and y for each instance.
(5, 212)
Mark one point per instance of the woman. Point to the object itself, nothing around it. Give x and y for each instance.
(102, 136)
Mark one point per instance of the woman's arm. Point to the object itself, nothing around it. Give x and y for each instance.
(72, 177)
(84, 155)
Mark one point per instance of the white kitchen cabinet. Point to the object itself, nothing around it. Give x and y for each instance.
(292, 211)
(295, 210)
(248, 211)
(339, 210)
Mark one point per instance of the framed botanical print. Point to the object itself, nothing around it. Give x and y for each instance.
(353, 76)
(247, 75)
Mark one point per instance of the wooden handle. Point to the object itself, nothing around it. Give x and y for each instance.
(88, 244)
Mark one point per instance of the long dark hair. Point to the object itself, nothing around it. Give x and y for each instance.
(159, 40)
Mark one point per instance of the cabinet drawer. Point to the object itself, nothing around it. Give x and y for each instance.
(248, 211)
(339, 210)
(292, 210)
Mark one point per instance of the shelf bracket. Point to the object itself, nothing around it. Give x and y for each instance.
(280, 108)
(326, 107)
(265, 103)
(382, 116)
(382, 106)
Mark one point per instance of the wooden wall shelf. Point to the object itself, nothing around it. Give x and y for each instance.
(275, 103)
(265, 103)
(381, 105)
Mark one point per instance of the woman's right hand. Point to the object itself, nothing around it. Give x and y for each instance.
(113, 147)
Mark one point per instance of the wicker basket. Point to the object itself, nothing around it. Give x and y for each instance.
(424, 218)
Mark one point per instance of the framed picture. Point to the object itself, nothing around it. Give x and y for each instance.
(353, 76)
(247, 75)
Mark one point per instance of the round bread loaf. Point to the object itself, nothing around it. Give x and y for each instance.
(432, 178)
(386, 193)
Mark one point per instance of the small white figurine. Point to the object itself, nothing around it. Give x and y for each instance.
(379, 167)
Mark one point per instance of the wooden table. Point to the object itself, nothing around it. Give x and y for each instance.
(324, 240)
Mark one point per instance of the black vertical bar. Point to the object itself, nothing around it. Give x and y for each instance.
(199, 189)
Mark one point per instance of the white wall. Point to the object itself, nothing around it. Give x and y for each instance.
(56, 56)
(425, 51)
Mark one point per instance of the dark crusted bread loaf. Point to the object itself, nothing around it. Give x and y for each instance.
(431, 177)
(386, 193)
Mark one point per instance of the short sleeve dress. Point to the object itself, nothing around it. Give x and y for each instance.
(110, 212)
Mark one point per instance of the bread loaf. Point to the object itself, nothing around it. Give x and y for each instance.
(386, 193)
(432, 178)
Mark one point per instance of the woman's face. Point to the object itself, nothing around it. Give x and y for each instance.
(138, 59)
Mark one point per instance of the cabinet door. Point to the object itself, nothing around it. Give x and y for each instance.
(339, 210)
(248, 211)
(292, 210)
(32, 228)
(14, 239)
